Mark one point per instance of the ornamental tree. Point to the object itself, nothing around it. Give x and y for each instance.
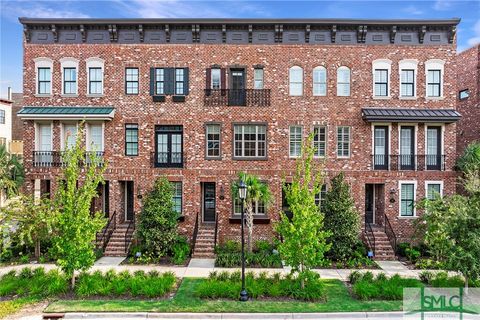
(75, 226)
(304, 239)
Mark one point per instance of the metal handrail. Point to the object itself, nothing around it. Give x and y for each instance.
(237, 97)
(195, 233)
(105, 237)
(416, 162)
(390, 234)
(369, 227)
(57, 158)
(128, 239)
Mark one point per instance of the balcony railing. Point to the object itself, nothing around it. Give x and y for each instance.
(57, 158)
(409, 162)
(167, 159)
(241, 97)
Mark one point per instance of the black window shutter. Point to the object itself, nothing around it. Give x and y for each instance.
(185, 81)
(152, 81)
(169, 80)
(208, 78)
(223, 78)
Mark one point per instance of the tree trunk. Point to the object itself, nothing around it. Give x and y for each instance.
(72, 281)
(37, 249)
(249, 222)
(302, 279)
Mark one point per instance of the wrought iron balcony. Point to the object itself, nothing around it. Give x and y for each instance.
(167, 159)
(57, 158)
(408, 162)
(233, 97)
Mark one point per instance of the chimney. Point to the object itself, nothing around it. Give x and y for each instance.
(9, 94)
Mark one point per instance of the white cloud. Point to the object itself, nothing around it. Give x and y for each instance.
(443, 5)
(412, 10)
(14, 9)
(476, 35)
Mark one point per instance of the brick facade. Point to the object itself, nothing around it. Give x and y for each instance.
(284, 110)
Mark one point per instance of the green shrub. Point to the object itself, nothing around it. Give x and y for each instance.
(264, 245)
(426, 263)
(365, 290)
(412, 254)
(33, 283)
(443, 280)
(354, 276)
(180, 250)
(366, 287)
(426, 276)
(402, 248)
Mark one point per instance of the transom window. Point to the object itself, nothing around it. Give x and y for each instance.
(213, 140)
(177, 197)
(159, 81)
(69, 80)
(343, 142)
(250, 141)
(296, 81)
(433, 83)
(320, 141)
(407, 199)
(381, 82)
(407, 83)
(131, 139)
(343, 82)
(44, 80)
(95, 78)
(295, 141)
(258, 78)
(319, 81)
(131, 80)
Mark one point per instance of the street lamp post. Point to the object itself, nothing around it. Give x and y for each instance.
(242, 194)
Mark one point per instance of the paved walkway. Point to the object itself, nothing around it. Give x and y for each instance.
(203, 267)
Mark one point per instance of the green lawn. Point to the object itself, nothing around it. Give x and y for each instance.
(338, 300)
(8, 307)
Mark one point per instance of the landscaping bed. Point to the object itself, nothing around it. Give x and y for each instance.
(264, 255)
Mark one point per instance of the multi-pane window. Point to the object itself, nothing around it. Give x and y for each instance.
(296, 81)
(44, 80)
(320, 141)
(159, 81)
(381, 82)
(407, 199)
(2, 116)
(434, 83)
(179, 81)
(319, 81)
(250, 141)
(213, 140)
(177, 197)
(69, 80)
(320, 197)
(433, 190)
(380, 147)
(69, 135)
(95, 137)
(215, 78)
(434, 147)
(343, 141)
(43, 153)
(131, 80)
(295, 141)
(407, 148)
(407, 79)
(131, 139)
(169, 146)
(258, 78)
(343, 82)
(258, 207)
(95, 78)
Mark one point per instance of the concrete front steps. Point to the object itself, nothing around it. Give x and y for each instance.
(383, 248)
(116, 245)
(204, 245)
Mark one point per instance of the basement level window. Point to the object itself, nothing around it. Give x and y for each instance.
(464, 94)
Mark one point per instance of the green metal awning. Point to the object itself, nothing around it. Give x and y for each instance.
(68, 113)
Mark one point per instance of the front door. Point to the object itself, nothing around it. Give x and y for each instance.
(381, 147)
(129, 198)
(369, 203)
(434, 147)
(209, 202)
(237, 93)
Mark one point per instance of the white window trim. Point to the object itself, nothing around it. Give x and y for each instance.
(389, 125)
(326, 140)
(87, 137)
(442, 139)
(69, 63)
(349, 142)
(408, 64)
(43, 62)
(62, 133)
(37, 134)
(415, 142)
(320, 68)
(381, 64)
(428, 182)
(257, 79)
(434, 64)
(94, 62)
(289, 140)
(349, 83)
(289, 81)
(414, 182)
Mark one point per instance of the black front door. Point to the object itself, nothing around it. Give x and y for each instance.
(369, 203)
(129, 198)
(209, 202)
(434, 147)
(237, 92)
(381, 147)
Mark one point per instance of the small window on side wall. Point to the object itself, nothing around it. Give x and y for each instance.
(464, 94)
(258, 78)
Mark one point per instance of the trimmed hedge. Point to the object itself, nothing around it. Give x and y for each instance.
(33, 282)
(228, 255)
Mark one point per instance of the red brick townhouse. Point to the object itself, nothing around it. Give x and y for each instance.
(198, 100)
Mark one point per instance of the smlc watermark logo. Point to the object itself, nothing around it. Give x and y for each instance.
(441, 303)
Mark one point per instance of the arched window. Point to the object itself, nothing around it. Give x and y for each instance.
(343, 82)
(296, 81)
(319, 81)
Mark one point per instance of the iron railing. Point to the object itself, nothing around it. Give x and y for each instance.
(129, 235)
(57, 158)
(370, 236)
(195, 233)
(390, 234)
(167, 159)
(409, 162)
(108, 231)
(237, 97)
(216, 231)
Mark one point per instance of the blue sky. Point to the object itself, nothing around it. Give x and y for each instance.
(11, 30)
